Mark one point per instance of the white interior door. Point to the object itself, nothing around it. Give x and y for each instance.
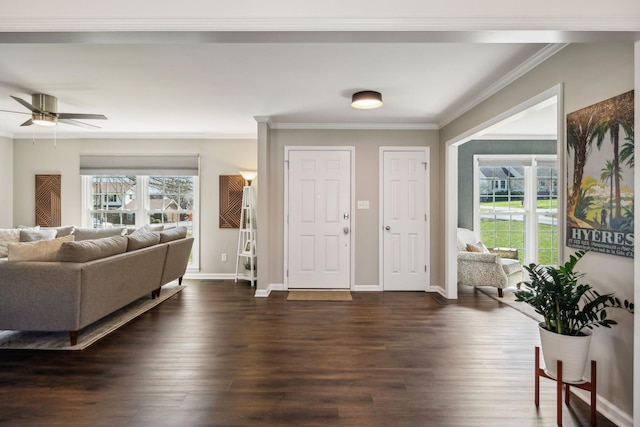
(319, 219)
(404, 220)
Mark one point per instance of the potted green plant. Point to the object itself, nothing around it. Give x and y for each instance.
(570, 310)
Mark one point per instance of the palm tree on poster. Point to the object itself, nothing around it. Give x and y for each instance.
(618, 113)
(607, 173)
(626, 153)
(581, 129)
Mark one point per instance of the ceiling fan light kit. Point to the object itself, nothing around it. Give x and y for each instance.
(43, 119)
(366, 100)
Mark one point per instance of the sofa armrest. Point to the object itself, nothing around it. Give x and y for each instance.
(478, 257)
(40, 296)
(175, 264)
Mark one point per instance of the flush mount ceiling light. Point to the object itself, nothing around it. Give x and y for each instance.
(366, 100)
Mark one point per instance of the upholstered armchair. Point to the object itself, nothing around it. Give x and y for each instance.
(477, 266)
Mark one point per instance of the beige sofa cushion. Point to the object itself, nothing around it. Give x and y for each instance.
(141, 240)
(173, 234)
(41, 250)
(88, 250)
(97, 233)
(8, 235)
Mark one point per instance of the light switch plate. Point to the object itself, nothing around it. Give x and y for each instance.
(363, 204)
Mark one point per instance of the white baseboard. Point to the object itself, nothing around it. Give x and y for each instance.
(263, 293)
(439, 289)
(209, 276)
(606, 408)
(367, 288)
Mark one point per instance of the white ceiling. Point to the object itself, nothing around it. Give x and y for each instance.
(201, 83)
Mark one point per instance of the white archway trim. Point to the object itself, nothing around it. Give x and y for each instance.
(451, 180)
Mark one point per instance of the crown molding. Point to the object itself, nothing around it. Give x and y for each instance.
(263, 119)
(516, 137)
(513, 23)
(522, 69)
(134, 135)
(355, 126)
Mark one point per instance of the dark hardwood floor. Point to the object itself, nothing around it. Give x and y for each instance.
(214, 355)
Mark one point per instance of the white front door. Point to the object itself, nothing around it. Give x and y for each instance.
(404, 220)
(319, 219)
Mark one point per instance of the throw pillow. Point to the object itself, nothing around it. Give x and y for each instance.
(61, 231)
(147, 228)
(473, 248)
(8, 235)
(173, 234)
(34, 236)
(28, 227)
(97, 233)
(88, 250)
(483, 248)
(142, 240)
(41, 250)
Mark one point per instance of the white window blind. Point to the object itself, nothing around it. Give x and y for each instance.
(150, 165)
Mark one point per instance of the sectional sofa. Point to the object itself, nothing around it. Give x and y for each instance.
(83, 281)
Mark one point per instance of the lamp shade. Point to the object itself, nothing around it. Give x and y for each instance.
(249, 175)
(366, 100)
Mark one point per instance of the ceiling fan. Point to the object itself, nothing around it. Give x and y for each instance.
(44, 112)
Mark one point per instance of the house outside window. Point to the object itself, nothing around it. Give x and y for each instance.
(112, 198)
(135, 201)
(516, 202)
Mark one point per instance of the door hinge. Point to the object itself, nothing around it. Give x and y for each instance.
(425, 268)
(425, 165)
(287, 272)
(425, 217)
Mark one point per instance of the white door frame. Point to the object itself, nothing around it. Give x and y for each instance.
(427, 231)
(352, 233)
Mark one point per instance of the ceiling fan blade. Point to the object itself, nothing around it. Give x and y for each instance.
(77, 123)
(27, 105)
(17, 112)
(82, 116)
(27, 123)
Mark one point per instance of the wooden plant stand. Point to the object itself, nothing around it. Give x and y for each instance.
(588, 386)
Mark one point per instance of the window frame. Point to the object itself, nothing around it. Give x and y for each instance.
(529, 210)
(143, 211)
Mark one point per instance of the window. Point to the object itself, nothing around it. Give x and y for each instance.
(113, 201)
(134, 201)
(135, 190)
(170, 200)
(517, 202)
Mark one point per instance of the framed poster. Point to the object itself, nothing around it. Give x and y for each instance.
(600, 160)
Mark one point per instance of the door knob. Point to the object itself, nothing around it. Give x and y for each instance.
(345, 230)
(387, 228)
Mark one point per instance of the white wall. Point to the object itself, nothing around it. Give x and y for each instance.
(590, 73)
(217, 157)
(6, 178)
(366, 143)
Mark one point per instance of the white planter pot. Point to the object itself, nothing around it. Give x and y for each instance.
(573, 351)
